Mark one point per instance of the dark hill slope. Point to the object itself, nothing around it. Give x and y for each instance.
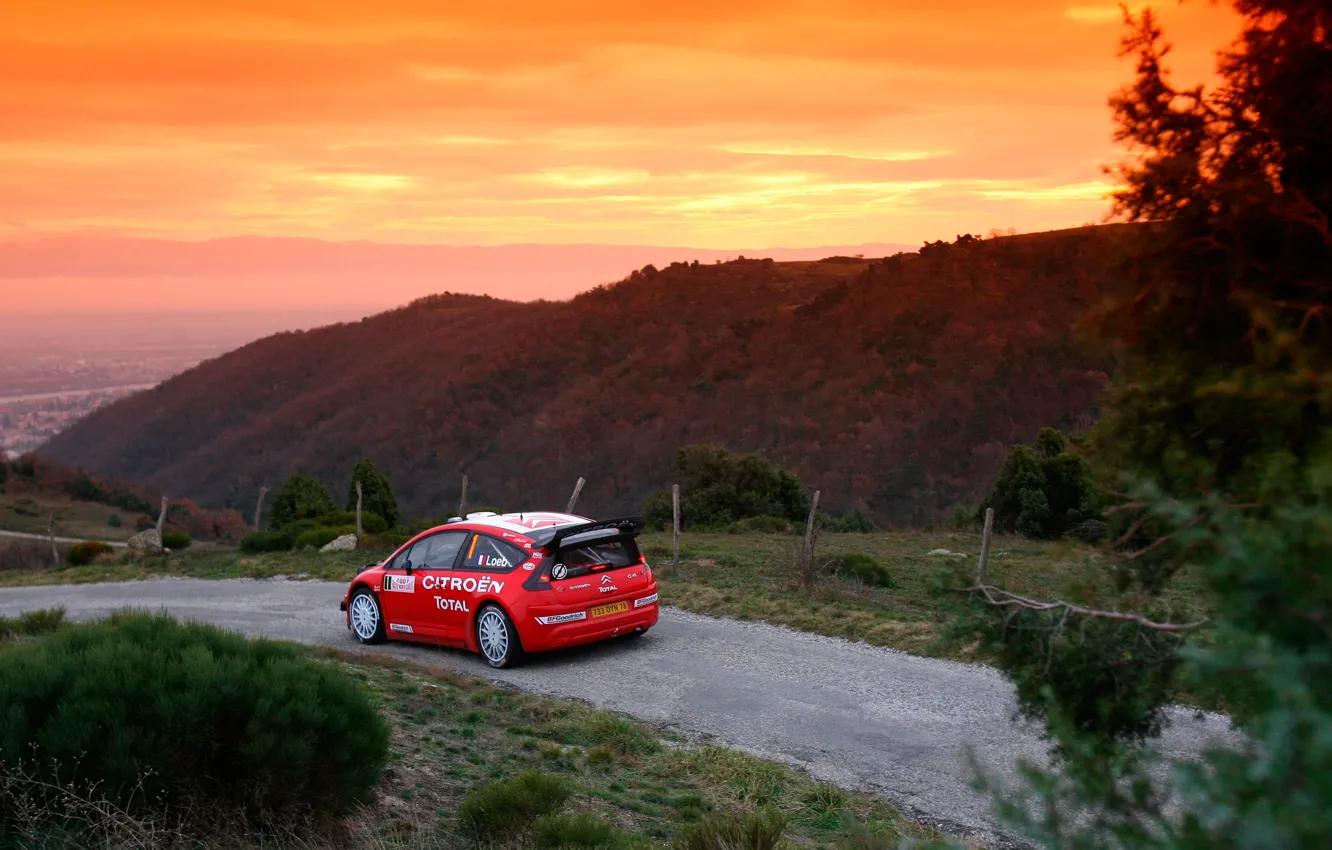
(895, 384)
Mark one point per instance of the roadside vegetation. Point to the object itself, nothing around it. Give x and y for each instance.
(368, 752)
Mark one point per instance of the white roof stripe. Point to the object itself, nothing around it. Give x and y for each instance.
(526, 523)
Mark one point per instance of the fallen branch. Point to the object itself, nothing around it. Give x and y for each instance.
(1012, 600)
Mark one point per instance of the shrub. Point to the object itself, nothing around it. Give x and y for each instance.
(82, 554)
(376, 492)
(163, 716)
(371, 523)
(862, 568)
(761, 525)
(503, 810)
(718, 487)
(1042, 489)
(320, 537)
(176, 540)
(761, 831)
(386, 540)
(856, 522)
(32, 623)
(114, 521)
(265, 541)
(299, 497)
(583, 830)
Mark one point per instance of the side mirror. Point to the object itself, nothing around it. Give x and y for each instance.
(407, 566)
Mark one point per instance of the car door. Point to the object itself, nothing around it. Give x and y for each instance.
(482, 572)
(432, 561)
(397, 593)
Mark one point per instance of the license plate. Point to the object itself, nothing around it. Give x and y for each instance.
(613, 608)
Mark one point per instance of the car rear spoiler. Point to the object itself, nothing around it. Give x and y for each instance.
(583, 533)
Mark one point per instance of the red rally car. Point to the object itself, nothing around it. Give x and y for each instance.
(504, 585)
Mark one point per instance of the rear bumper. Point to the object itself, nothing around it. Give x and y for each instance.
(537, 637)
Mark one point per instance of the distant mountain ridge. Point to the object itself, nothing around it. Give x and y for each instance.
(894, 385)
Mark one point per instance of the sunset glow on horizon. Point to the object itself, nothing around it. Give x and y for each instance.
(712, 125)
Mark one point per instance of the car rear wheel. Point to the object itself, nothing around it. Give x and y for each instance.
(367, 620)
(497, 638)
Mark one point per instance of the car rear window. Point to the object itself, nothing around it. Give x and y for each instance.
(599, 556)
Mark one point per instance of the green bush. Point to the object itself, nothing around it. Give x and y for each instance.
(856, 522)
(1042, 489)
(862, 568)
(719, 487)
(580, 831)
(386, 540)
(176, 540)
(265, 541)
(42, 621)
(761, 525)
(114, 521)
(163, 716)
(761, 831)
(501, 811)
(370, 523)
(376, 491)
(299, 497)
(320, 537)
(82, 554)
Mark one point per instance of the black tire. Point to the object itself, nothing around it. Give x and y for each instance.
(496, 637)
(358, 605)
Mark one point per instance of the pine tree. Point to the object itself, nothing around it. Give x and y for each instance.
(376, 492)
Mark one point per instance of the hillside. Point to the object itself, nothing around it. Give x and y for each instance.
(895, 385)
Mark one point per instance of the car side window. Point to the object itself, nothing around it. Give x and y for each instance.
(492, 555)
(436, 552)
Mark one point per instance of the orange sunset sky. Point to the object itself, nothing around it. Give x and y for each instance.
(714, 124)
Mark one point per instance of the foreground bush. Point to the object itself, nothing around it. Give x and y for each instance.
(502, 811)
(169, 717)
(82, 554)
(731, 832)
(176, 540)
(862, 568)
(265, 541)
(32, 623)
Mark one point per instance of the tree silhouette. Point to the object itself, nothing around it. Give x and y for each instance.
(377, 492)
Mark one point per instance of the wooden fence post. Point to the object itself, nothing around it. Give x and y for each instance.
(573, 500)
(259, 508)
(161, 519)
(675, 510)
(462, 500)
(358, 514)
(808, 553)
(50, 532)
(982, 566)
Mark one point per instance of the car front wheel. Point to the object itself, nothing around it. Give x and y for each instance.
(367, 620)
(497, 638)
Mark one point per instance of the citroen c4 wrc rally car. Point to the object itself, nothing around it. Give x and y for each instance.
(505, 585)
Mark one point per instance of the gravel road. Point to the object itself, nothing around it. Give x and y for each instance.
(859, 716)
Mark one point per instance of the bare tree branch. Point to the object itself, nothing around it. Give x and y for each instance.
(1013, 600)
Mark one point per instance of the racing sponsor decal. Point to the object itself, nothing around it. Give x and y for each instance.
(470, 584)
(399, 627)
(559, 571)
(400, 584)
(529, 566)
(443, 603)
(610, 588)
(581, 586)
(562, 618)
(488, 561)
(646, 600)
